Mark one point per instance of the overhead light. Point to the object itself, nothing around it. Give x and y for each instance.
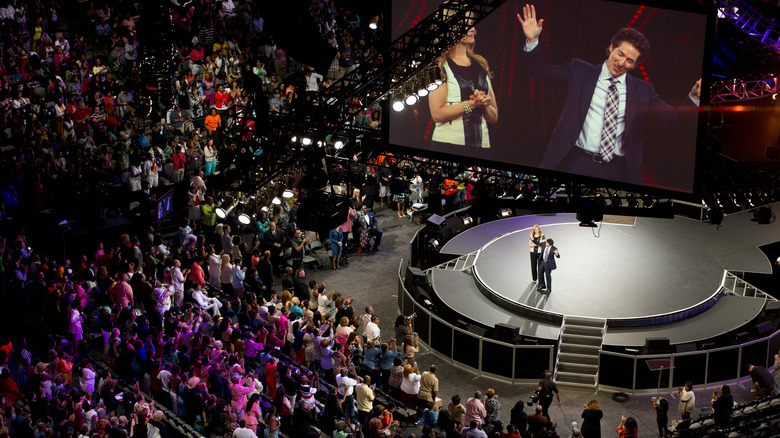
(433, 244)
(244, 219)
(287, 194)
(430, 78)
(306, 141)
(276, 201)
(505, 212)
(467, 220)
(228, 204)
(422, 87)
(338, 145)
(398, 102)
(411, 99)
(372, 26)
(294, 139)
(615, 200)
(264, 209)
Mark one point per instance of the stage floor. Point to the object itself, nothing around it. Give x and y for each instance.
(653, 267)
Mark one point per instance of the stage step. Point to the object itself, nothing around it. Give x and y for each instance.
(588, 359)
(578, 351)
(581, 339)
(580, 368)
(462, 263)
(584, 330)
(588, 350)
(576, 379)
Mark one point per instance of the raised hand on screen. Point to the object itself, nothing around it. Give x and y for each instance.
(696, 90)
(531, 27)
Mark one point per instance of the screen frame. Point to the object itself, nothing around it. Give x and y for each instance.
(701, 129)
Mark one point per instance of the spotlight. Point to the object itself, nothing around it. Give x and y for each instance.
(338, 145)
(437, 78)
(306, 141)
(294, 139)
(411, 99)
(287, 194)
(244, 219)
(615, 200)
(631, 200)
(467, 220)
(647, 201)
(264, 209)
(433, 244)
(422, 89)
(226, 207)
(320, 143)
(372, 26)
(398, 102)
(276, 201)
(505, 212)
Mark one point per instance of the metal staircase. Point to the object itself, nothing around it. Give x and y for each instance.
(462, 263)
(578, 351)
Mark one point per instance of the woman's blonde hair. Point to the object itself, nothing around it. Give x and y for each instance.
(407, 370)
(536, 227)
(225, 260)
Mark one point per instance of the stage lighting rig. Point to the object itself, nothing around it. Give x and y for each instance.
(631, 200)
(614, 200)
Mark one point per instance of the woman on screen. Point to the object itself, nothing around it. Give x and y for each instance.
(465, 103)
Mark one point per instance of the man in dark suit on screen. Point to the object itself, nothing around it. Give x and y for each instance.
(601, 128)
(547, 264)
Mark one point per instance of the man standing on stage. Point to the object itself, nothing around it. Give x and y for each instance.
(547, 265)
(546, 389)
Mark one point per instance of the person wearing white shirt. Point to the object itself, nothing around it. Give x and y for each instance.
(372, 329)
(243, 431)
(346, 387)
(365, 319)
(204, 302)
(178, 284)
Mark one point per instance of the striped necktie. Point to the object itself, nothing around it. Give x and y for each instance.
(609, 131)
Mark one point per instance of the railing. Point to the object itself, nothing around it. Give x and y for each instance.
(469, 349)
(737, 286)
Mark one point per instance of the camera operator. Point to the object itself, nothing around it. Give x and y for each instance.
(546, 389)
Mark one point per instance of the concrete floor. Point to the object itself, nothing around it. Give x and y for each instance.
(371, 279)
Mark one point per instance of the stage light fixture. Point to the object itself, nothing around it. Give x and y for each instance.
(647, 201)
(505, 212)
(615, 200)
(372, 24)
(398, 102)
(422, 87)
(244, 219)
(411, 99)
(467, 220)
(433, 244)
(264, 209)
(276, 201)
(600, 200)
(430, 78)
(306, 141)
(338, 145)
(437, 76)
(225, 208)
(631, 200)
(320, 143)
(294, 139)
(287, 194)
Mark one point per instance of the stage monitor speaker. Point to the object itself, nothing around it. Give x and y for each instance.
(657, 346)
(455, 224)
(477, 330)
(741, 337)
(505, 332)
(686, 348)
(435, 220)
(772, 309)
(415, 277)
(760, 330)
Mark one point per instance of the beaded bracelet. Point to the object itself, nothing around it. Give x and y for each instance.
(466, 108)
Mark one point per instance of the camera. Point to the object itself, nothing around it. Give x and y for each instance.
(533, 399)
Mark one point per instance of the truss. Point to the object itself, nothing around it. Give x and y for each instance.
(739, 89)
(752, 22)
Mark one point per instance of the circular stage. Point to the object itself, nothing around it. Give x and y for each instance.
(644, 269)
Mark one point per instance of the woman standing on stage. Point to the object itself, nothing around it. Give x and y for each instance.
(465, 103)
(535, 244)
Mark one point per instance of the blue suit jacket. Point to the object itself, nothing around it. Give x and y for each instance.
(579, 78)
(550, 263)
(372, 223)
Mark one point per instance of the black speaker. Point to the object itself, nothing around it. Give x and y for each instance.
(477, 330)
(772, 309)
(686, 348)
(435, 220)
(415, 277)
(455, 225)
(657, 345)
(505, 332)
(760, 330)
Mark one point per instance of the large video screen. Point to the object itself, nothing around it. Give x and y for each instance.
(588, 97)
